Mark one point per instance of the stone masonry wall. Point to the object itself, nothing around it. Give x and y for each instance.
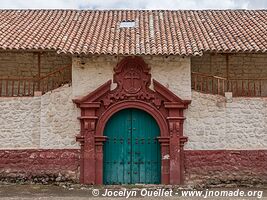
(227, 141)
(37, 138)
(216, 167)
(212, 124)
(240, 65)
(45, 122)
(173, 72)
(20, 122)
(22, 64)
(59, 119)
(39, 165)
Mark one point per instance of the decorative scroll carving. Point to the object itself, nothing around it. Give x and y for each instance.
(133, 80)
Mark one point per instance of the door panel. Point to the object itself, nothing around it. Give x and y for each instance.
(145, 148)
(132, 151)
(116, 149)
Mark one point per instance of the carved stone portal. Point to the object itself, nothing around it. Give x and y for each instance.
(133, 81)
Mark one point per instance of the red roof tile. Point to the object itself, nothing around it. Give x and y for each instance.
(156, 32)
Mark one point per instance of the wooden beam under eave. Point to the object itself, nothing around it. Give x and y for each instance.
(227, 70)
(39, 71)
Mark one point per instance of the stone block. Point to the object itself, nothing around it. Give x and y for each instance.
(228, 97)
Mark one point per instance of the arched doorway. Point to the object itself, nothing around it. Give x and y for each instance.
(132, 150)
(133, 91)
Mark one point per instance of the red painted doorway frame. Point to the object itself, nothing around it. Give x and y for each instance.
(133, 80)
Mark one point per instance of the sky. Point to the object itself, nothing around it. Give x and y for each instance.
(133, 4)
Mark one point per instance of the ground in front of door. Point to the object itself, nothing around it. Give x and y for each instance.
(79, 192)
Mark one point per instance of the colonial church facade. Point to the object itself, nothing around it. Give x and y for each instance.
(127, 97)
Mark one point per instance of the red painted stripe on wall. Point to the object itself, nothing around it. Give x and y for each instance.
(225, 166)
(201, 166)
(50, 164)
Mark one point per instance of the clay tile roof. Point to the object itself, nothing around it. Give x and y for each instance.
(158, 32)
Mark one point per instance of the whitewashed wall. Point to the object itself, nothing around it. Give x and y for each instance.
(173, 72)
(46, 122)
(19, 122)
(59, 123)
(211, 123)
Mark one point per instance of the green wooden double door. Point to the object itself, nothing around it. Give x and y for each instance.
(132, 151)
